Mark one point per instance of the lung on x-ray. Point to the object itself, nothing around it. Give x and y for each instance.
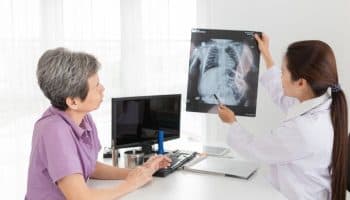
(223, 68)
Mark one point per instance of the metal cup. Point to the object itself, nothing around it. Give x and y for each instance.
(133, 158)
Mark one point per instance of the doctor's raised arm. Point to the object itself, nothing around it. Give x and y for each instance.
(271, 80)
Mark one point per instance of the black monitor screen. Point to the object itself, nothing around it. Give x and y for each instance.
(137, 120)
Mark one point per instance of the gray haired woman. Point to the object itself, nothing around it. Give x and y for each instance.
(65, 143)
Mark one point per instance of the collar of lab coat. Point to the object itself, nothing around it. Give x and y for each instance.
(319, 103)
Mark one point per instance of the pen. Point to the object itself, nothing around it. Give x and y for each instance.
(216, 97)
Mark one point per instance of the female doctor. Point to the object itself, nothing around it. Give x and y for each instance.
(306, 154)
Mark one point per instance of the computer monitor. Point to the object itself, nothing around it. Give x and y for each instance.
(136, 121)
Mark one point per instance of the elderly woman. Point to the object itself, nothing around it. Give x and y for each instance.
(65, 143)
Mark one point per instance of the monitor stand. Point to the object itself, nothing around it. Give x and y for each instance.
(148, 151)
(146, 148)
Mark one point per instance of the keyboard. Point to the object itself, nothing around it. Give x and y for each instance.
(179, 158)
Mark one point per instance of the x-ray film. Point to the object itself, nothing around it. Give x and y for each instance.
(223, 67)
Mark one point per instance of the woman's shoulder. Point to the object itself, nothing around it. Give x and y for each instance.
(52, 120)
(310, 125)
(314, 127)
(50, 123)
(314, 118)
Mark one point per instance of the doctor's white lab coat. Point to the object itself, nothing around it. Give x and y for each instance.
(298, 152)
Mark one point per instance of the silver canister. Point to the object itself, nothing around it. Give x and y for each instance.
(133, 158)
(115, 155)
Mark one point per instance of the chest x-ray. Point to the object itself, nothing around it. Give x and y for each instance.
(224, 64)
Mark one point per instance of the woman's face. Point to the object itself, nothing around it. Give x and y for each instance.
(289, 86)
(94, 96)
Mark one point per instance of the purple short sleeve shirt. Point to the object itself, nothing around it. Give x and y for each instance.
(60, 148)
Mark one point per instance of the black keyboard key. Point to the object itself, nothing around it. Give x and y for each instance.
(178, 160)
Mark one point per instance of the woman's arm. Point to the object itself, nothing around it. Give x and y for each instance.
(264, 47)
(282, 145)
(74, 186)
(271, 79)
(107, 172)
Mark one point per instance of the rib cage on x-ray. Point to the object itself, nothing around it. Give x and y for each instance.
(222, 66)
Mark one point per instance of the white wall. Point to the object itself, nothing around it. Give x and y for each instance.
(284, 21)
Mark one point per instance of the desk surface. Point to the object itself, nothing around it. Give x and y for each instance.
(189, 185)
(183, 184)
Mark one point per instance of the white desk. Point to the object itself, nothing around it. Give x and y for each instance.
(189, 185)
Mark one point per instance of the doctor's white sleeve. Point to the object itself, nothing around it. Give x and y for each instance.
(271, 80)
(280, 146)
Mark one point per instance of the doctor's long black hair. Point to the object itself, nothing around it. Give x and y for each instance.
(314, 61)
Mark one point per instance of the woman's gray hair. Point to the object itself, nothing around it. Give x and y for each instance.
(62, 73)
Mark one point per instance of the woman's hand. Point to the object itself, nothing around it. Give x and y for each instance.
(139, 177)
(143, 174)
(156, 162)
(226, 114)
(264, 45)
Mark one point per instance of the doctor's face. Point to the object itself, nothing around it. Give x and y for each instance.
(289, 86)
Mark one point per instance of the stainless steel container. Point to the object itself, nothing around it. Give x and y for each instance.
(115, 156)
(133, 158)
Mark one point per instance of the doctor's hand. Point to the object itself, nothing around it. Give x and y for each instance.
(264, 47)
(226, 114)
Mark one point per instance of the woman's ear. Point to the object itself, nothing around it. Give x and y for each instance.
(304, 85)
(302, 82)
(72, 103)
